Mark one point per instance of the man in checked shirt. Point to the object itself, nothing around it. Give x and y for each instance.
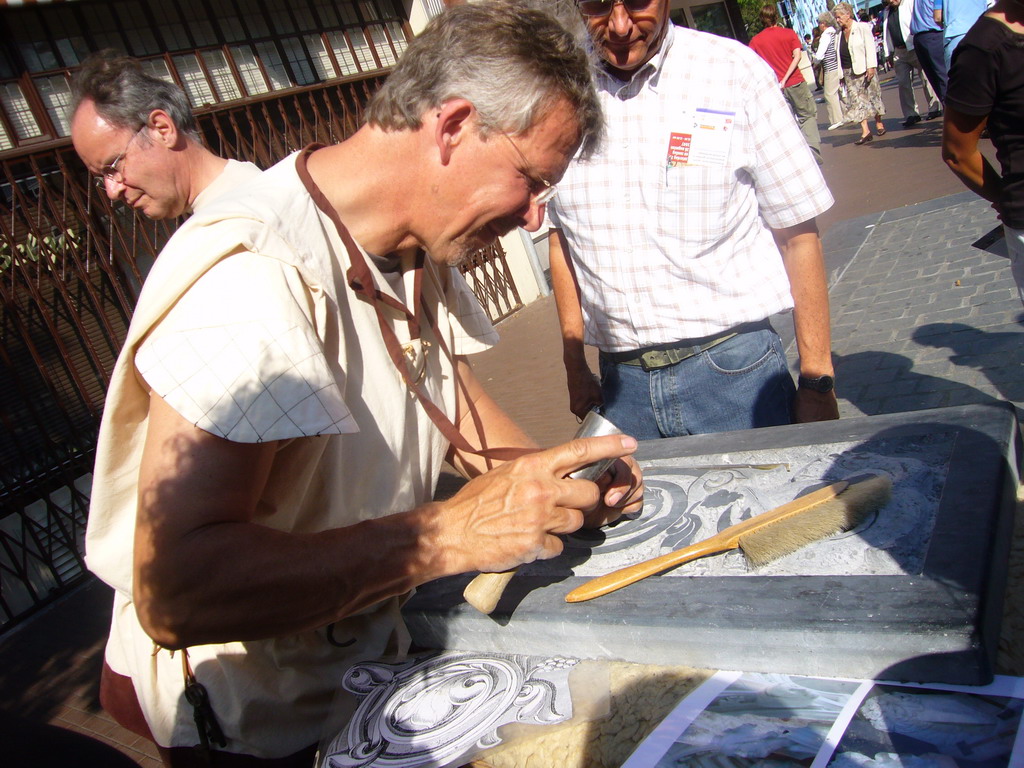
(691, 226)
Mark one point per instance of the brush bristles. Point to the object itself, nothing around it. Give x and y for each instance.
(844, 512)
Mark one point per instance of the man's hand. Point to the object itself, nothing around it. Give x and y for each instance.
(584, 388)
(814, 406)
(515, 513)
(622, 492)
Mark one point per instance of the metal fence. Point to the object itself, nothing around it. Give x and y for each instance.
(71, 267)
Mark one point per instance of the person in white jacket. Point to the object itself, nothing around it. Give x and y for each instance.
(859, 60)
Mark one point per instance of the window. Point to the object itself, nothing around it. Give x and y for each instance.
(66, 34)
(712, 18)
(198, 22)
(31, 41)
(280, 19)
(302, 68)
(7, 71)
(217, 50)
(364, 56)
(370, 12)
(343, 53)
(105, 30)
(348, 14)
(256, 22)
(321, 58)
(56, 95)
(327, 12)
(397, 32)
(249, 70)
(171, 29)
(304, 17)
(157, 68)
(18, 112)
(138, 29)
(5, 140)
(194, 81)
(382, 46)
(274, 66)
(220, 73)
(227, 18)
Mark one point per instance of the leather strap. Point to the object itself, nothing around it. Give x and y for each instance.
(360, 280)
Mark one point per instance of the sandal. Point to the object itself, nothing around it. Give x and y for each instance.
(864, 139)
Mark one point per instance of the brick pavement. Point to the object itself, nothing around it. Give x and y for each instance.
(920, 319)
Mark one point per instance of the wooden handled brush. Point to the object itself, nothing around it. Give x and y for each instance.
(767, 536)
(486, 589)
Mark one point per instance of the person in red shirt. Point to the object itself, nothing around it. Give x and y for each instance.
(780, 47)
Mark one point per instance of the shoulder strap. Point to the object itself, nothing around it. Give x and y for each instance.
(360, 280)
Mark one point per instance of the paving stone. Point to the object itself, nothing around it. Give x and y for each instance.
(915, 402)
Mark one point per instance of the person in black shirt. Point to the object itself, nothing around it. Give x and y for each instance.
(986, 90)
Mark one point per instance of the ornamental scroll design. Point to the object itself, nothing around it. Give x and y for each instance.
(430, 710)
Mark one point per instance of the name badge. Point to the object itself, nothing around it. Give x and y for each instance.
(703, 139)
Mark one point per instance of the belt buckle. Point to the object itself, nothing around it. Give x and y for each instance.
(658, 358)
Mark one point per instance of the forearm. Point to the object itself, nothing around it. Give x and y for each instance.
(976, 174)
(802, 257)
(583, 387)
(238, 581)
(567, 298)
(960, 135)
(792, 66)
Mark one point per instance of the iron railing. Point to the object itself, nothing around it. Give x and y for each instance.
(490, 278)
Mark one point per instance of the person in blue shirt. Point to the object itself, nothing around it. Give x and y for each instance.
(956, 17)
(927, 32)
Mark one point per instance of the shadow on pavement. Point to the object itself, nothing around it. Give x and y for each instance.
(996, 354)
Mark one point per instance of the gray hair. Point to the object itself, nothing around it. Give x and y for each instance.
(827, 19)
(509, 59)
(845, 8)
(125, 96)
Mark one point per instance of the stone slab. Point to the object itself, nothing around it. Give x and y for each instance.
(913, 594)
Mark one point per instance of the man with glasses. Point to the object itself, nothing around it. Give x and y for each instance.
(666, 250)
(294, 378)
(138, 137)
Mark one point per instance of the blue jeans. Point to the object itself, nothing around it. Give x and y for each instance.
(741, 383)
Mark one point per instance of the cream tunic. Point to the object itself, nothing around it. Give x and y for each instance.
(247, 327)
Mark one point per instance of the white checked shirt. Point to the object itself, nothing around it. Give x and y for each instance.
(667, 252)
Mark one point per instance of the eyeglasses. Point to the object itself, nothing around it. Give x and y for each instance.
(110, 171)
(598, 8)
(547, 189)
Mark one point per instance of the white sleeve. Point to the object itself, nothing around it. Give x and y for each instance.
(238, 356)
(789, 186)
